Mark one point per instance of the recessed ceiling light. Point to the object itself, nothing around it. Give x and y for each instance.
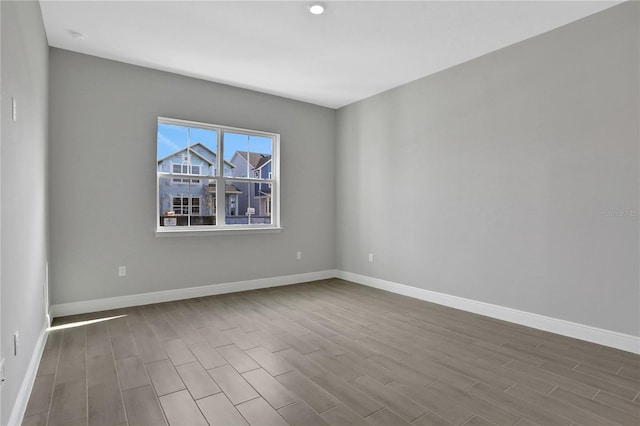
(78, 35)
(316, 9)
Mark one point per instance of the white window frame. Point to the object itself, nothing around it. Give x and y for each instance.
(220, 209)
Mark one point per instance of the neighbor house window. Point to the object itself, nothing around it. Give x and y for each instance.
(237, 177)
(186, 206)
(186, 169)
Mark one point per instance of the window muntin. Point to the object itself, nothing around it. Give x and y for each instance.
(244, 195)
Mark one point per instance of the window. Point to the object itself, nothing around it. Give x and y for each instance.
(186, 169)
(237, 184)
(186, 206)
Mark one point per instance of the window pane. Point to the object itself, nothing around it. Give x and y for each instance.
(185, 203)
(248, 155)
(186, 150)
(245, 206)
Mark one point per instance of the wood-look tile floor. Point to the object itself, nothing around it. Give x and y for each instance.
(323, 353)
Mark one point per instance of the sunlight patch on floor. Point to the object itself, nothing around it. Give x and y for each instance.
(81, 323)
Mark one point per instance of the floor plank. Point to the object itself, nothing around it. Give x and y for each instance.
(315, 396)
(104, 404)
(558, 406)
(181, 410)
(269, 388)
(343, 415)
(198, 382)
(143, 408)
(271, 363)
(36, 420)
(233, 384)
(404, 407)
(68, 403)
(40, 395)
(164, 377)
(302, 364)
(347, 394)
(516, 405)
(72, 362)
(258, 412)
(385, 417)
(207, 355)
(131, 373)
(219, 411)
(477, 405)
(237, 358)
(178, 352)
(442, 406)
(50, 354)
(595, 407)
(300, 414)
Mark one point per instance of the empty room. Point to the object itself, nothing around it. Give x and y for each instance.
(319, 213)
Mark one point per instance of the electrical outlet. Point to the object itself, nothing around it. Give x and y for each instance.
(16, 343)
(122, 271)
(370, 257)
(299, 255)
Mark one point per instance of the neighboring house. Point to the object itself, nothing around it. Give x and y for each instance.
(258, 195)
(195, 196)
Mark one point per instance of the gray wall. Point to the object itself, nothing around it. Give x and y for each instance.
(103, 182)
(23, 188)
(493, 180)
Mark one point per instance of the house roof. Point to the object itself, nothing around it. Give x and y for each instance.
(228, 189)
(196, 153)
(254, 157)
(184, 149)
(264, 160)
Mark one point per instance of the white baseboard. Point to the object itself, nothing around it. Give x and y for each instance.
(97, 305)
(600, 336)
(20, 406)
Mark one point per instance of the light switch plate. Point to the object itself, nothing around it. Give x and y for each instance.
(16, 343)
(2, 372)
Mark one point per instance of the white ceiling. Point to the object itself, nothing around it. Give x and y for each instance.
(356, 49)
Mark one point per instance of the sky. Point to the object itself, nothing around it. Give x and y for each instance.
(172, 138)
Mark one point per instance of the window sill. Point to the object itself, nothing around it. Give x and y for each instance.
(223, 231)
